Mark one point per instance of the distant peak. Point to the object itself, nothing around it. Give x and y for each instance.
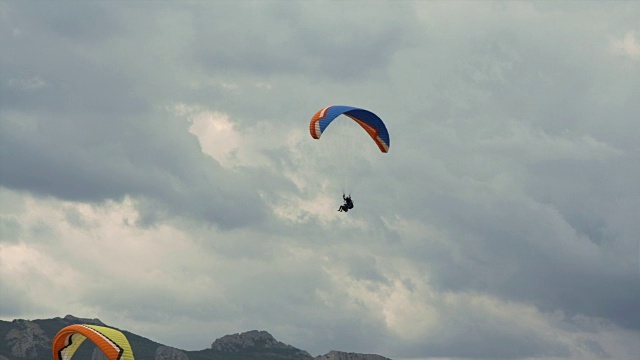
(249, 339)
(76, 320)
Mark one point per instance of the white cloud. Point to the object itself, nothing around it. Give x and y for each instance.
(627, 46)
(220, 137)
(217, 136)
(28, 84)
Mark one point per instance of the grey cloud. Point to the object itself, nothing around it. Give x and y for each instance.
(364, 268)
(73, 82)
(87, 141)
(15, 300)
(512, 172)
(507, 241)
(484, 341)
(85, 22)
(537, 253)
(136, 159)
(339, 41)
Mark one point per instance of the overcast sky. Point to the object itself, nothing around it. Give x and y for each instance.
(157, 173)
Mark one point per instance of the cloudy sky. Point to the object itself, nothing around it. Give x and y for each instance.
(157, 173)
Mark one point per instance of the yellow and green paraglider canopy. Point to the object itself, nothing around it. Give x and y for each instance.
(112, 342)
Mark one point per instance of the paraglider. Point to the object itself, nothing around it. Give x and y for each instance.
(112, 342)
(370, 122)
(348, 204)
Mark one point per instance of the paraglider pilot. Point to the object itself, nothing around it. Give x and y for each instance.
(348, 203)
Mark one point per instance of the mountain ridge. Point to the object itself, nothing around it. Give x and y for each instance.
(31, 340)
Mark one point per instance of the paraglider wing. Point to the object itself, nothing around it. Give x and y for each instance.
(112, 342)
(369, 121)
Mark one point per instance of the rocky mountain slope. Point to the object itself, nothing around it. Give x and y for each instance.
(31, 340)
(339, 355)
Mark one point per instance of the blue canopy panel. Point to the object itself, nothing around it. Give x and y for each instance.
(369, 121)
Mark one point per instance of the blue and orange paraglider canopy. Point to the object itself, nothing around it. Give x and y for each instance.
(369, 121)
